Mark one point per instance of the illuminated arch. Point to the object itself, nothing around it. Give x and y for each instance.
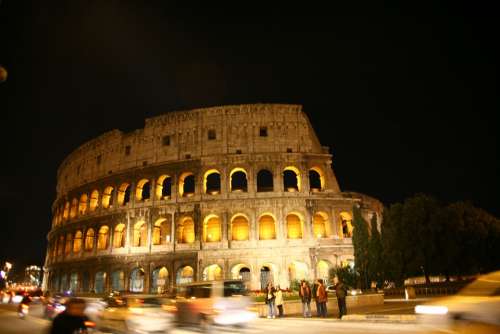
(212, 228)
(60, 245)
(291, 179)
(77, 242)
(69, 244)
(323, 270)
(124, 194)
(82, 206)
(66, 211)
(316, 179)
(159, 280)
(238, 180)
(265, 181)
(136, 282)
(74, 208)
(268, 273)
(143, 190)
(211, 182)
(164, 187)
(185, 231)
(94, 200)
(100, 282)
(119, 236)
(241, 271)
(184, 275)
(346, 222)
(298, 271)
(212, 272)
(320, 221)
(140, 234)
(267, 227)
(161, 232)
(107, 197)
(183, 190)
(294, 226)
(89, 239)
(240, 227)
(102, 237)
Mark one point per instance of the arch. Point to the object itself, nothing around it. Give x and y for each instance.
(77, 242)
(267, 227)
(119, 236)
(212, 272)
(294, 226)
(346, 221)
(118, 280)
(73, 282)
(212, 228)
(136, 283)
(186, 184)
(66, 211)
(60, 245)
(102, 237)
(82, 206)
(164, 187)
(238, 180)
(85, 281)
(240, 228)
(211, 182)
(297, 271)
(159, 280)
(291, 179)
(124, 194)
(69, 243)
(143, 190)
(241, 271)
(265, 181)
(323, 270)
(267, 273)
(107, 197)
(140, 234)
(89, 239)
(74, 208)
(185, 232)
(100, 282)
(161, 232)
(320, 220)
(184, 275)
(316, 179)
(94, 200)
(64, 282)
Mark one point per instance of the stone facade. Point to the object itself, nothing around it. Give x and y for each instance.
(226, 192)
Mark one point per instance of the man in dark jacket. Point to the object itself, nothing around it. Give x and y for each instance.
(305, 296)
(341, 292)
(315, 297)
(72, 319)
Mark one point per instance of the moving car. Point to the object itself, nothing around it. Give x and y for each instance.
(220, 302)
(478, 302)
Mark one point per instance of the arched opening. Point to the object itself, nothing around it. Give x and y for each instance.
(143, 190)
(242, 272)
(89, 239)
(211, 182)
(239, 182)
(346, 221)
(77, 242)
(320, 220)
(297, 271)
(294, 226)
(291, 179)
(161, 232)
(140, 234)
(264, 181)
(94, 200)
(212, 229)
(323, 270)
(74, 208)
(119, 236)
(107, 197)
(69, 243)
(159, 280)
(136, 283)
(164, 187)
(85, 281)
(82, 206)
(316, 179)
(186, 231)
(266, 276)
(240, 228)
(184, 275)
(212, 273)
(64, 282)
(186, 184)
(267, 227)
(124, 194)
(73, 282)
(100, 282)
(102, 237)
(60, 245)
(118, 280)
(66, 211)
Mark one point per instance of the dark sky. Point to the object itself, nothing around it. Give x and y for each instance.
(405, 97)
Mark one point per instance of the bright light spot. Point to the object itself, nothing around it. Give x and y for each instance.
(430, 309)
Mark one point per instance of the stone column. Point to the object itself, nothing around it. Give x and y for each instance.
(127, 236)
(173, 227)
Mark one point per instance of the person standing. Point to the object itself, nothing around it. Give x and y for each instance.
(322, 299)
(341, 292)
(279, 301)
(305, 297)
(270, 300)
(315, 297)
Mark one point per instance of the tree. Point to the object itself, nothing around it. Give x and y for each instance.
(375, 253)
(393, 249)
(360, 244)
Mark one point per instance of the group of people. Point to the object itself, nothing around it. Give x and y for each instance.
(318, 293)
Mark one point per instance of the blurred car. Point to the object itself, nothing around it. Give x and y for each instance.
(478, 302)
(136, 314)
(350, 291)
(220, 302)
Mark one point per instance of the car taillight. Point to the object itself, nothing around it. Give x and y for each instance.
(90, 324)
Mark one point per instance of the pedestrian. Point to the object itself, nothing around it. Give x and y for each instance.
(341, 292)
(279, 301)
(270, 300)
(72, 320)
(322, 299)
(315, 297)
(305, 297)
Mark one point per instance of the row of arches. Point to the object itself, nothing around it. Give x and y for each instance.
(162, 189)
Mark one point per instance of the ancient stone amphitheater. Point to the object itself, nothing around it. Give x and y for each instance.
(244, 191)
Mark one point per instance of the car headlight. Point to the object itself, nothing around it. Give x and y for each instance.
(431, 309)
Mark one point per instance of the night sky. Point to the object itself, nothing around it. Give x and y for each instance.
(405, 97)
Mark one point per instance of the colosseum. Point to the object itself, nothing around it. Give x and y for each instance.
(244, 191)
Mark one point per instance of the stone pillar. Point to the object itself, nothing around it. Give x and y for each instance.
(173, 227)
(224, 227)
(127, 236)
